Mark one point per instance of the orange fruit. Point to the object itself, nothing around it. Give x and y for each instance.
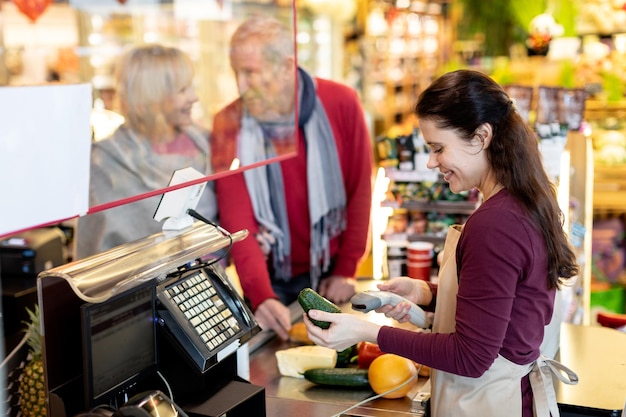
(299, 334)
(389, 371)
(422, 370)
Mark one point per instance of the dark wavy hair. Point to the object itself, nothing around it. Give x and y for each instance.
(465, 99)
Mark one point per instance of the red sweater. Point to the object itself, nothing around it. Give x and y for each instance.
(235, 208)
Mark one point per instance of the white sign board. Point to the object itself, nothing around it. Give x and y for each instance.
(204, 9)
(174, 204)
(115, 6)
(44, 154)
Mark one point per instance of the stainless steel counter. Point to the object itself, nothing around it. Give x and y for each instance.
(291, 394)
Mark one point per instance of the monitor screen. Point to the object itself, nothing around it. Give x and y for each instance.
(119, 345)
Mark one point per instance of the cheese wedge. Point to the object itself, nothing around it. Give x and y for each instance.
(294, 361)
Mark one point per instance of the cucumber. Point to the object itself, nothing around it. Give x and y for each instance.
(311, 300)
(338, 377)
(346, 357)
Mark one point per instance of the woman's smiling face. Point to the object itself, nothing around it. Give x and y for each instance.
(462, 163)
(179, 113)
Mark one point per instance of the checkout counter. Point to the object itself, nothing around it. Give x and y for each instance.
(155, 314)
(288, 396)
(596, 354)
(211, 383)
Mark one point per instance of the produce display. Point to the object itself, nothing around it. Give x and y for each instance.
(601, 16)
(609, 146)
(352, 368)
(361, 366)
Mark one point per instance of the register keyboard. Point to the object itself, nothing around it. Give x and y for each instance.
(202, 312)
(199, 302)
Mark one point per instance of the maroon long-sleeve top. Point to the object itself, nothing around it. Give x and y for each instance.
(503, 301)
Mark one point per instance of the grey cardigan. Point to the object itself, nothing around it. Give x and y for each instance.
(125, 165)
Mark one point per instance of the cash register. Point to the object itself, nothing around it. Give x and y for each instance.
(22, 257)
(156, 314)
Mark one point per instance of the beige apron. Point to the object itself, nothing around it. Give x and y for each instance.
(497, 391)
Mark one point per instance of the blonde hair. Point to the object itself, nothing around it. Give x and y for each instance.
(147, 78)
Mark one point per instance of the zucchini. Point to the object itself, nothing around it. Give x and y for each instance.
(311, 300)
(338, 377)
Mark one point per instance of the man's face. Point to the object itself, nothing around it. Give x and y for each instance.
(266, 88)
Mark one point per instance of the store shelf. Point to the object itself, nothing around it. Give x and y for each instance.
(609, 188)
(436, 239)
(414, 237)
(423, 207)
(457, 207)
(401, 58)
(411, 176)
(601, 109)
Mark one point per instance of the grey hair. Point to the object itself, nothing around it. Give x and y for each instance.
(277, 38)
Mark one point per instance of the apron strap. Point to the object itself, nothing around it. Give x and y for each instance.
(545, 404)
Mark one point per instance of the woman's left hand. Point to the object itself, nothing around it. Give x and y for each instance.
(345, 330)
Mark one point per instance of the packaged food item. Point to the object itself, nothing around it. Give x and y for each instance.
(396, 258)
(406, 153)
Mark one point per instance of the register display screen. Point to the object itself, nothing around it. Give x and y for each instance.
(119, 344)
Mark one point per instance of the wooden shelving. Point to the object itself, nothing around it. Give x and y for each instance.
(609, 188)
(403, 53)
(455, 207)
(424, 208)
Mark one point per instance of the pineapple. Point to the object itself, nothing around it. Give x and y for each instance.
(31, 382)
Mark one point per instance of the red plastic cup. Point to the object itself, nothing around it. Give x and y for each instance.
(419, 270)
(420, 260)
